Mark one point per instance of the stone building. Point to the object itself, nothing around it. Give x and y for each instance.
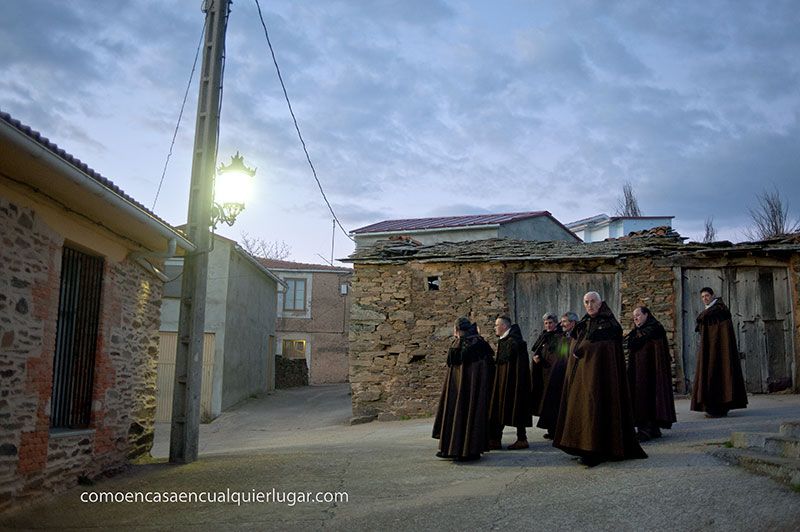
(406, 297)
(313, 320)
(80, 291)
(535, 225)
(241, 309)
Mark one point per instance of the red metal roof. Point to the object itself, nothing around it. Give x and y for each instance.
(415, 224)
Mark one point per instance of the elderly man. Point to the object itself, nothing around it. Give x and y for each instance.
(650, 375)
(595, 421)
(718, 383)
(551, 399)
(511, 395)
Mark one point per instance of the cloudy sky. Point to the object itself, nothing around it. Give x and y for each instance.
(416, 108)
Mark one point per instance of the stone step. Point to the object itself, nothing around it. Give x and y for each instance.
(771, 443)
(782, 469)
(790, 429)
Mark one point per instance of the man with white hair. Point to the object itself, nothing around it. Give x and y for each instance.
(595, 421)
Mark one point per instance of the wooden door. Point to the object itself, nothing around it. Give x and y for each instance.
(694, 280)
(758, 298)
(536, 293)
(165, 380)
(762, 317)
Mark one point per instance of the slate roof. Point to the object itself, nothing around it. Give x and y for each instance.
(661, 241)
(416, 224)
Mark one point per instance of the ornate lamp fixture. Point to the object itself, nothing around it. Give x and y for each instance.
(231, 188)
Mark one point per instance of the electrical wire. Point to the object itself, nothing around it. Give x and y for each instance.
(296, 126)
(180, 115)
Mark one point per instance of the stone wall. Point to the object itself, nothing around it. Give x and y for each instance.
(34, 460)
(290, 372)
(400, 330)
(650, 282)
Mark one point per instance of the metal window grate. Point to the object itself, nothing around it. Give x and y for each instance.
(76, 339)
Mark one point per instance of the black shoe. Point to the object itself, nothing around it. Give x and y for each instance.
(643, 436)
(469, 458)
(589, 461)
(443, 456)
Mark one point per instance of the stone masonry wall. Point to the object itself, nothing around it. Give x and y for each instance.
(34, 460)
(30, 263)
(646, 281)
(290, 372)
(400, 331)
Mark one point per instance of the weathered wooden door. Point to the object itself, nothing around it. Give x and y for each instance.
(165, 380)
(759, 301)
(536, 293)
(762, 317)
(693, 281)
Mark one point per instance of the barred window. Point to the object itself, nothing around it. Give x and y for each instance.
(76, 339)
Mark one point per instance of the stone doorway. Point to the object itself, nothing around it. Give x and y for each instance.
(759, 300)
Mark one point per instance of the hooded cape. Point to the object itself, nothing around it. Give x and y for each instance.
(718, 381)
(461, 423)
(595, 417)
(511, 394)
(650, 375)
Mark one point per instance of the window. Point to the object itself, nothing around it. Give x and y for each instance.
(433, 282)
(76, 339)
(295, 296)
(294, 349)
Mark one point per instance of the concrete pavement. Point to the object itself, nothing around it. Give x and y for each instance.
(298, 440)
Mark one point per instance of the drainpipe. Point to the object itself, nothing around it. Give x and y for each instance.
(140, 257)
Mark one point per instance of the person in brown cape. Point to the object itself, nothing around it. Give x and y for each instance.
(551, 399)
(650, 376)
(544, 354)
(511, 393)
(718, 382)
(595, 421)
(461, 423)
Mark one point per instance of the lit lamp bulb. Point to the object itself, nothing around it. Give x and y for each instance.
(233, 185)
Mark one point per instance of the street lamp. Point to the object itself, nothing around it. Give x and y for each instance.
(232, 187)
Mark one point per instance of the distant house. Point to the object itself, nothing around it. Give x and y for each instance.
(80, 291)
(538, 226)
(241, 310)
(602, 226)
(313, 317)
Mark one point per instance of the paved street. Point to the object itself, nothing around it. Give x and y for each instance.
(298, 440)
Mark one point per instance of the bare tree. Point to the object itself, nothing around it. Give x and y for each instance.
(265, 249)
(627, 205)
(771, 218)
(711, 233)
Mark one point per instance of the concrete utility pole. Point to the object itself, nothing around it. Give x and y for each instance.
(185, 431)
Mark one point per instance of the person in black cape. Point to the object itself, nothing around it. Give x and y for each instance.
(595, 421)
(650, 375)
(462, 418)
(718, 381)
(511, 393)
(551, 398)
